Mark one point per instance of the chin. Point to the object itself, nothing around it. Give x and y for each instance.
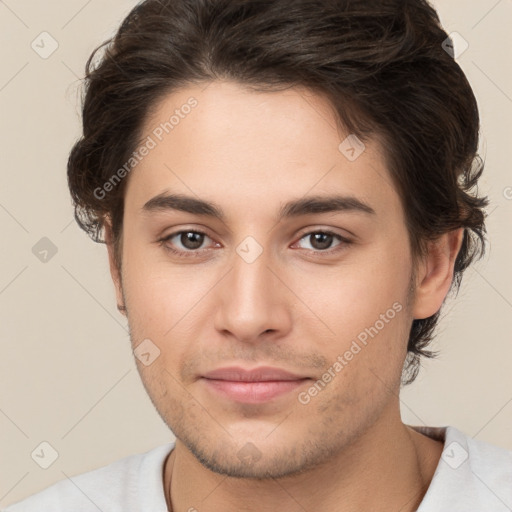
(259, 463)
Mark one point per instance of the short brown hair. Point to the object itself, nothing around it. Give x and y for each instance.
(380, 63)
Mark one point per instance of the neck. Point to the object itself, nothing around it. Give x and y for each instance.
(394, 462)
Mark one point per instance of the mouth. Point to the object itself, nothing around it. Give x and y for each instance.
(252, 386)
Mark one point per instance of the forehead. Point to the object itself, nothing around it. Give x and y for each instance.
(222, 142)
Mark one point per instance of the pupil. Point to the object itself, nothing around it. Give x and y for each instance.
(318, 237)
(191, 240)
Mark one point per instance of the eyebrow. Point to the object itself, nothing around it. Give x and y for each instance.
(294, 208)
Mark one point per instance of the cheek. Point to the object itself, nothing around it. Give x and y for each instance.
(351, 297)
(362, 310)
(363, 371)
(166, 305)
(162, 294)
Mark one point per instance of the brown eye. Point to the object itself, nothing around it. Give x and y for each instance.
(191, 239)
(322, 240)
(184, 241)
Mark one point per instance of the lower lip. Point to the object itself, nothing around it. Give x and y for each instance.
(253, 392)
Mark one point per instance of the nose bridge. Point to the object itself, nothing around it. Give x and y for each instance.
(251, 302)
(250, 277)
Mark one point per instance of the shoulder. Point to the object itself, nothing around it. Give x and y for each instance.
(472, 475)
(115, 487)
(492, 463)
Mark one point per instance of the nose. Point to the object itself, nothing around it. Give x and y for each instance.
(252, 300)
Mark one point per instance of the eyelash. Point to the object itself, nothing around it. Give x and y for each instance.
(198, 252)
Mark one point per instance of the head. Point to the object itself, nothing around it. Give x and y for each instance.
(321, 156)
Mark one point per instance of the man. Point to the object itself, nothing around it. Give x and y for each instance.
(285, 192)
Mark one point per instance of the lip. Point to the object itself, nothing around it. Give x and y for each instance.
(252, 386)
(260, 374)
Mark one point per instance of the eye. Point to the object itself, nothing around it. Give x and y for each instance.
(187, 242)
(321, 241)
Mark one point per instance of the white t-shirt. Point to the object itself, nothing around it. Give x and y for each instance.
(472, 476)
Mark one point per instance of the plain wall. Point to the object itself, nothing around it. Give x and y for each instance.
(67, 372)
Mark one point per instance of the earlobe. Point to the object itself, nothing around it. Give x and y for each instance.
(436, 274)
(114, 270)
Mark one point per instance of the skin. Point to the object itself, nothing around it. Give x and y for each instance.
(298, 306)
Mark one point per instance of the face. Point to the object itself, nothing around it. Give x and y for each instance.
(293, 281)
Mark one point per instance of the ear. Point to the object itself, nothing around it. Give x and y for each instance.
(114, 270)
(435, 274)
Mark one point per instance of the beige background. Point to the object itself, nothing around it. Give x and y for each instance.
(67, 372)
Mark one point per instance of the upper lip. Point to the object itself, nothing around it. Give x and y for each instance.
(260, 374)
